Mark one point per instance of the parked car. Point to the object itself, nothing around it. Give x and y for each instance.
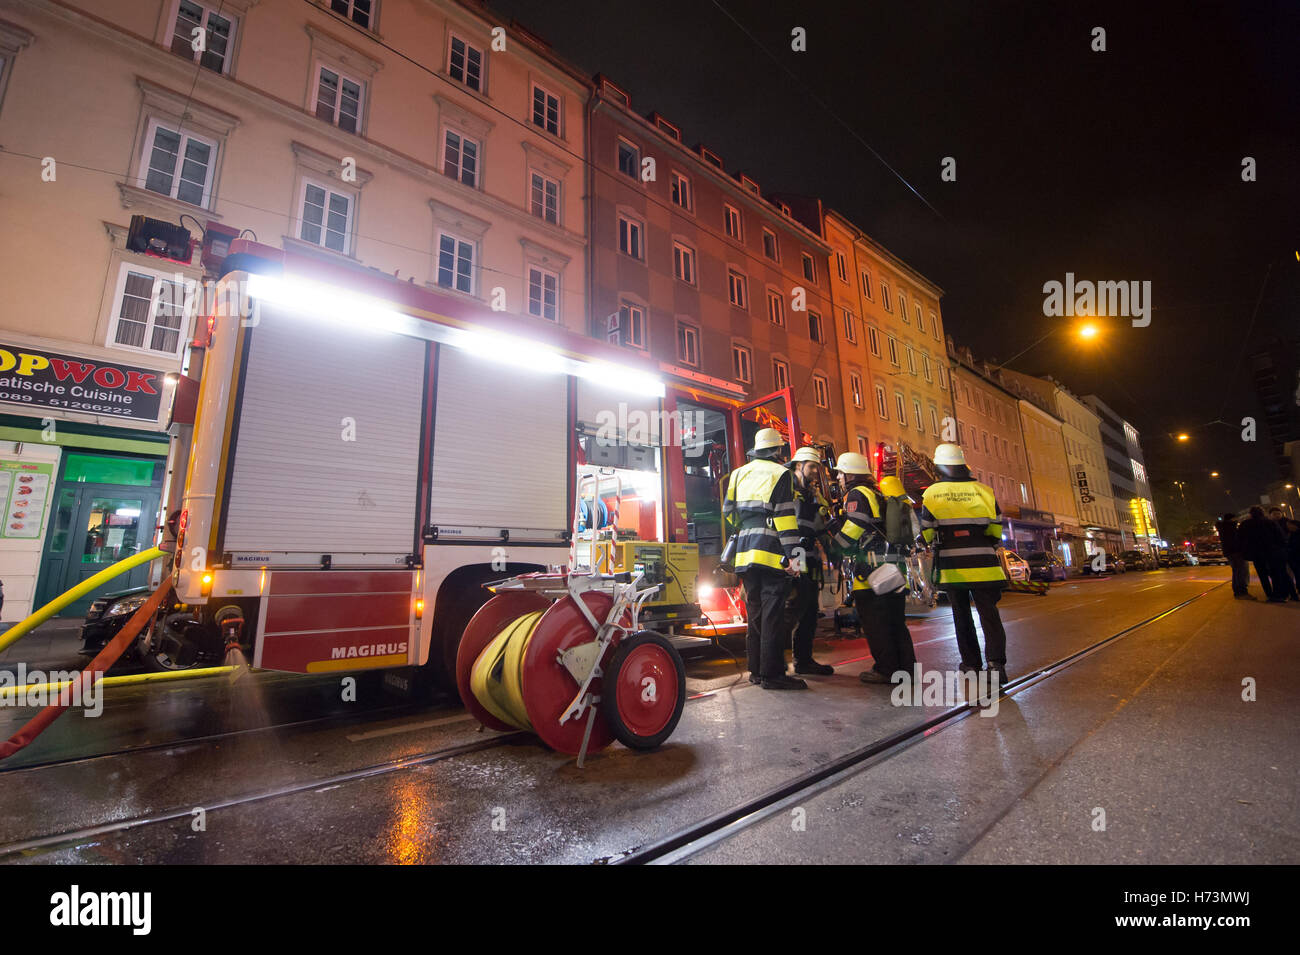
(1113, 564)
(1044, 565)
(1192, 559)
(1017, 567)
(156, 647)
(1138, 560)
(1211, 556)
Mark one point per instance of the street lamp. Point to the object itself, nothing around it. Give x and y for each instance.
(1184, 436)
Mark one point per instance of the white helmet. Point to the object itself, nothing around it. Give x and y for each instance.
(850, 462)
(811, 455)
(949, 454)
(768, 438)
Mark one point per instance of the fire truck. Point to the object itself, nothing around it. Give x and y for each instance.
(368, 453)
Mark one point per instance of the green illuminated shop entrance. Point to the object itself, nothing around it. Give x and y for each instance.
(105, 508)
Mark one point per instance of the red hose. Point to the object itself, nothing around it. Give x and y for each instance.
(95, 670)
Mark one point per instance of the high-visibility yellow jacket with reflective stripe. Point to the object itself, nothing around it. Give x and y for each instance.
(759, 508)
(962, 519)
(862, 527)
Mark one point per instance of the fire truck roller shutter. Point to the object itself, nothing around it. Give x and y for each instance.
(328, 441)
(612, 412)
(500, 450)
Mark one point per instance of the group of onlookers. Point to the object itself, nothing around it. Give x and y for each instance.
(1272, 543)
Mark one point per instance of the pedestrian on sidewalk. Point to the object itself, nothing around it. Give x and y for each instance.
(1266, 548)
(759, 506)
(813, 515)
(1230, 540)
(861, 535)
(960, 516)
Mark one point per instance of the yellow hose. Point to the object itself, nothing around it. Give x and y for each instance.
(9, 693)
(14, 633)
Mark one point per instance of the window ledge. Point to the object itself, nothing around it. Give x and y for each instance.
(135, 196)
(454, 292)
(311, 248)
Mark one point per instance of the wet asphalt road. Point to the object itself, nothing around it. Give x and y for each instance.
(1150, 729)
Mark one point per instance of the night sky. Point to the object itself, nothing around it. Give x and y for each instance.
(1122, 165)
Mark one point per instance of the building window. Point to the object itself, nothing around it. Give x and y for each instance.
(326, 217)
(338, 99)
(866, 286)
(360, 12)
(769, 245)
(150, 312)
(841, 266)
(632, 324)
(731, 218)
(775, 308)
(884, 297)
(780, 374)
(864, 445)
(882, 406)
(934, 419)
(684, 263)
(217, 40)
(629, 159)
(925, 366)
(543, 293)
(460, 158)
(893, 351)
(688, 344)
(901, 404)
(545, 197)
(911, 360)
(920, 324)
(629, 236)
(986, 441)
(873, 338)
(934, 325)
(855, 386)
(178, 164)
(821, 392)
(455, 263)
(815, 327)
(809, 268)
(465, 64)
(738, 289)
(902, 308)
(741, 365)
(850, 328)
(681, 187)
(546, 110)
(943, 378)
(916, 415)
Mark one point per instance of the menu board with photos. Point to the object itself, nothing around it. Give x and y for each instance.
(24, 487)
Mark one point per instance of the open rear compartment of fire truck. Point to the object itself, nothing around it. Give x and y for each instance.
(372, 462)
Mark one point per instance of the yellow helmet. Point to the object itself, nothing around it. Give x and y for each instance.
(811, 455)
(949, 454)
(768, 438)
(892, 487)
(850, 462)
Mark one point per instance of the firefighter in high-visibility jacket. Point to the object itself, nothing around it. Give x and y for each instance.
(759, 508)
(860, 534)
(960, 517)
(813, 515)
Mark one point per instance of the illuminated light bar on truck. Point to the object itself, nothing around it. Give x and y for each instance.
(363, 312)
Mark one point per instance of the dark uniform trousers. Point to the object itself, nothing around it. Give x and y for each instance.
(804, 607)
(884, 622)
(995, 637)
(766, 591)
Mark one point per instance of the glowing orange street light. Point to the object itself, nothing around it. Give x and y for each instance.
(1214, 474)
(1183, 437)
(1088, 330)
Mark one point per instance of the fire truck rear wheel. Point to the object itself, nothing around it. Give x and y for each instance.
(644, 690)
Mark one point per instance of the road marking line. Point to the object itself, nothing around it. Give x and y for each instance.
(1152, 587)
(409, 728)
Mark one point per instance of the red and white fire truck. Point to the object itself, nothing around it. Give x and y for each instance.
(367, 453)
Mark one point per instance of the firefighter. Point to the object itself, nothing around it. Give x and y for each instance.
(760, 505)
(961, 517)
(813, 515)
(883, 616)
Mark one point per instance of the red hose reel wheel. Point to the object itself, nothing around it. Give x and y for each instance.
(482, 629)
(548, 688)
(645, 690)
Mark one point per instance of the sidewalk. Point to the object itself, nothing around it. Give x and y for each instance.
(51, 646)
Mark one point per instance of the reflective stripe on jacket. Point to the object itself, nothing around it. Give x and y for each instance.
(963, 519)
(862, 529)
(760, 506)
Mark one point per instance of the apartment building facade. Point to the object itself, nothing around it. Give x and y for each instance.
(699, 270)
(422, 138)
(1129, 484)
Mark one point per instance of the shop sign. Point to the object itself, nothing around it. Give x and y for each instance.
(36, 378)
